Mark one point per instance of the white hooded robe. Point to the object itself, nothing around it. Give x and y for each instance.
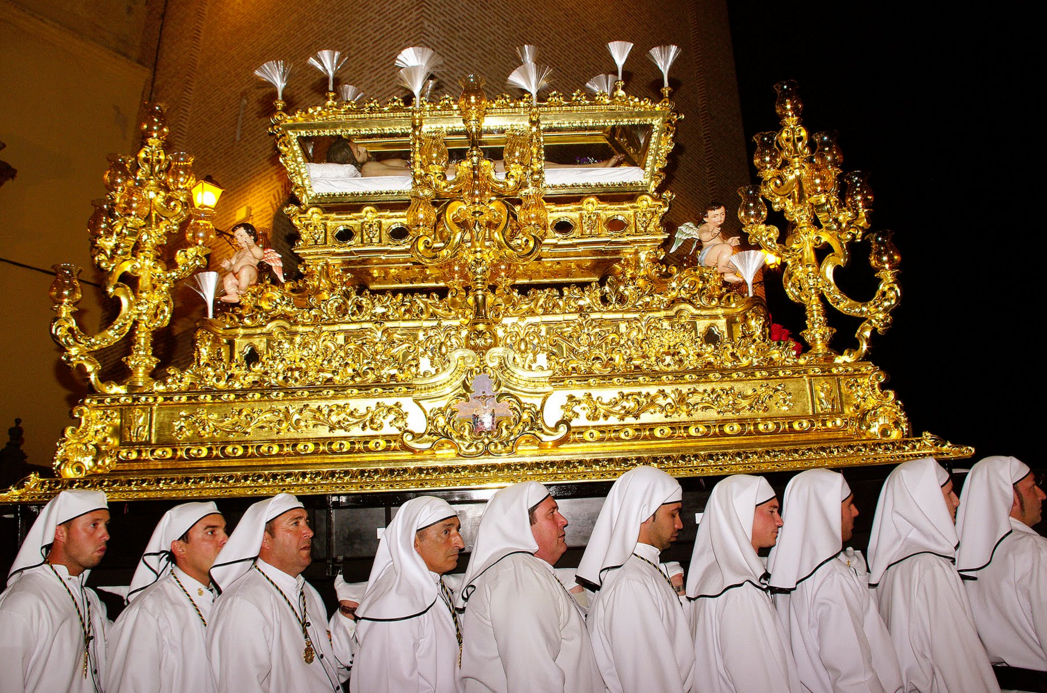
(1004, 566)
(640, 632)
(740, 645)
(918, 590)
(254, 640)
(406, 633)
(41, 634)
(522, 631)
(158, 644)
(838, 639)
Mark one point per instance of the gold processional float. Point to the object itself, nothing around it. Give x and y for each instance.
(477, 329)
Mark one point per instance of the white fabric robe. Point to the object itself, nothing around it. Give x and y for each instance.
(740, 645)
(413, 655)
(41, 640)
(929, 618)
(1009, 600)
(157, 645)
(523, 633)
(255, 643)
(639, 629)
(343, 639)
(839, 641)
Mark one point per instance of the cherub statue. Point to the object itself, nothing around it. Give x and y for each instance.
(242, 268)
(716, 249)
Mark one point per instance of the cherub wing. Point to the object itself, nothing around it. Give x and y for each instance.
(684, 232)
(273, 259)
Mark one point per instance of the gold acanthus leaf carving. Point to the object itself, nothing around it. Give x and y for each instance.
(651, 287)
(879, 414)
(303, 359)
(246, 421)
(438, 343)
(673, 404)
(660, 344)
(522, 424)
(300, 304)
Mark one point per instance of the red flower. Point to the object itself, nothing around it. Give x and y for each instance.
(781, 334)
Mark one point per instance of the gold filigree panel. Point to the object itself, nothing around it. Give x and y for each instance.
(691, 403)
(254, 422)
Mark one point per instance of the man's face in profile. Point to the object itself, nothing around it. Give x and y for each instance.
(1028, 501)
(951, 501)
(766, 523)
(848, 511)
(664, 526)
(439, 545)
(548, 530)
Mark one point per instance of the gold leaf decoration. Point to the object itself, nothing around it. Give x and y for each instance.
(301, 419)
(723, 401)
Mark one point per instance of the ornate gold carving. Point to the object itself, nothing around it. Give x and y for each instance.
(878, 413)
(478, 237)
(336, 306)
(246, 421)
(487, 472)
(137, 424)
(653, 344)
(353, 378)
(438, 343)
(514, 423)
(288, 358)
(681, 404)
(88, 448)
(825, 396)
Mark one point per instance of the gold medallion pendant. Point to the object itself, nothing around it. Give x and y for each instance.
(308, 654)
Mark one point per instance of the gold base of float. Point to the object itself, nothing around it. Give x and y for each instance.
(337, 384)
(336, 478)
(337, 440)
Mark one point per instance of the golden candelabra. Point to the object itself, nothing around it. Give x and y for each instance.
(479, 235)
(148, 201)
(805, 186)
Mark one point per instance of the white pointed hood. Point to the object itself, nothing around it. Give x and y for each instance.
(812, 534)
(911, 517)
(504, 529)
(723, 555)
(634, 498)
(983, 518)
(157, 559)
(240, 552)
(66, 506)
(401, 585)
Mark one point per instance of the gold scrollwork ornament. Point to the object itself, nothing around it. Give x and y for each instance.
(486, 422)
(90, 447)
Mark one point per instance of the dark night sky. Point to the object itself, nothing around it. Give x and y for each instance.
(937, 108)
